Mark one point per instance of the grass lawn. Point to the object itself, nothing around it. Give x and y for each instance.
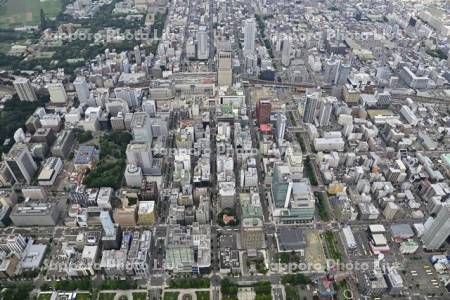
(51, 8)
(19, 12)
(202, 295)
(331, 246)
(139, 296)
(83, 296)
(171, 295)
(45, 296)
(106, 296)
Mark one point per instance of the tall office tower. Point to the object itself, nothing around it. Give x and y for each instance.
(331, 71)
(57, 93)
(344, 73)
(137, 55)
(25, 90)
(286, 52)
(107, 224)
(224, 72)
(128, 94)
(438, 231)
(140, 154)
(20, 163)
(82, 89)
(141, 128)
(281, 127)
(149, 106)
(325, 108)
(281, 184)
(263, 109)
(249, 36)
(310, 109)
(202, 43)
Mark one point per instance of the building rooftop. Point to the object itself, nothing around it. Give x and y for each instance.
(290, 239)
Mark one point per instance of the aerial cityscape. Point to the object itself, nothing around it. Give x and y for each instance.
(224, 149)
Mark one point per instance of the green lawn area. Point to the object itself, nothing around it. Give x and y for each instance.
(322, 205)
(331, 246)
(83, 296)
(106, 296)
(202, 295)
(51, 8)
(140, 296)
(19, 12)
(45, 296)
(310, 172)
(190, 283)
(171, 295)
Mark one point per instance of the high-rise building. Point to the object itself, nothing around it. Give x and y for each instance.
(140, 154)
(13, 243)
(202, 43)
(82, 89)
(149, 106)
(133, 176)
(57, 93)
(280, 127)
(224, 72)
(437, 232)
(25, 90)
(128, 94)
(286, 52)
(20, 163)
(263, 109)
(281, 185)
(325, 108)
(249, 36)
(107, 224)
(137, 55)
(141, 128)
(344, 73)
(310, 109)
(331, 70)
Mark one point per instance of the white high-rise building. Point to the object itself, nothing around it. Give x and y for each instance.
(140, 155)
(137, 55)
(281, 127)
(82, 89)
(25, 90)
(133, 175)
(437, 232)
(325, 108)
(286, 52)
(249, 36)
(224, 72)
(57, 93)
(142, 128)
(149, 106)
(202, 43)
(20, 163)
